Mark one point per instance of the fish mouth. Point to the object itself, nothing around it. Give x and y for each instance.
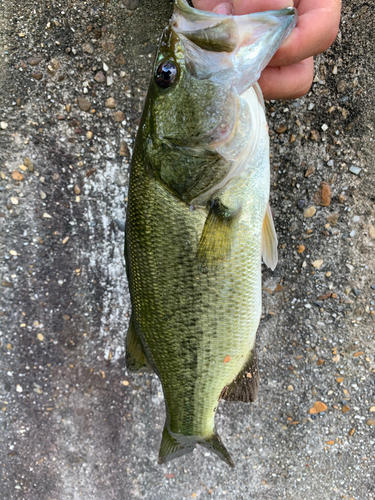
(240, 46)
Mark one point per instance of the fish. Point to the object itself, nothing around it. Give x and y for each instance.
(198, 219)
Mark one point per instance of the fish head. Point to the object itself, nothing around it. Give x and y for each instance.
(204, 64)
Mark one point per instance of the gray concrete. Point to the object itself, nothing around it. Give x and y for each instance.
(74, 424)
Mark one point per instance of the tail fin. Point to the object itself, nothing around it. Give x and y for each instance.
(173, 446)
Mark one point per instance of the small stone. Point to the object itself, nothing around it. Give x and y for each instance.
(13, 252)
(370, 422)
(105, 67)
(341, 86)
(355, 170)
(88, 48)
(341, 198)
(317, 263)
(310, 212)
(323, 197)
(7, 284)
(131, 4)
(301, 248)
(47, 216)
(290, 388)
(40, 337)
(125, 382)
(118, 116)
(29, 164)
(301, 204)
(3, 125)
(17, 176)
(315, 135)
(292, 138)
(124, 149)
(318, 407)
(332, 219)
(37, 75)
(340, 380)
(110, 103)
(34, 61)
(19, 388)
(281, 129)
(324, 127)
(55, 64)
(14, 200)
(109, 80)
(371, 230)
(89, 135)
(357, 292)
(65, 240)
(99, 77)
(77, 189)
(372, 409)
(359, 353)
(84, 103)
(345, 408)
(310, 170)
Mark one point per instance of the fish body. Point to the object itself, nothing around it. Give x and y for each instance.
(197, 218)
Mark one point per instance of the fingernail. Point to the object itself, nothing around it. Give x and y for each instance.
(226, 9)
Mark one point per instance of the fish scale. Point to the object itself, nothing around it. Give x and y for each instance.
(194, 265)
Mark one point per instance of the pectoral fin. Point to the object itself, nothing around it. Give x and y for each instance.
(245, 386)
(269, 240)
(218, 234)
(135, 356)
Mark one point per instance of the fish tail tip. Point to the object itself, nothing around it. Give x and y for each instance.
(215, 444)
(171, 447)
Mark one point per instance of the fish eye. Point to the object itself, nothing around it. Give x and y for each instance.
(166, 74)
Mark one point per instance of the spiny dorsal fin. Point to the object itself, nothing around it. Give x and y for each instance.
(218, 234)
(269, 240)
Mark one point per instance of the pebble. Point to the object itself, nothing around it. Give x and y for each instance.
(324, 127)
(301, 248)
(301, 204)
(84, 103)
(43, 195)
(110, 103)
(3, 125)
(105, 67)
(357, 292)
(290, 388)
(17, 176)
(370, 422)
(77, 189)
(34, 60)
(355, 170)
(315, 135)
(372, 409)
(310, 212)
(281, 129)
(29, 164)
(47, 216)
(37, 75)
(310, 170)
(317, 263)
(109, 80)
(19, 388)
(371, 230)
(124, 149)
(40, 337)
(89, 135)
(99, 77)
(332, 219)
(318, 407)
(14, 200)
(323, 197)
(341, 86)
(118, 116)
(88, 48)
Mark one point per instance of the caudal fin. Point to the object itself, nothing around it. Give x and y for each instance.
(173, 446)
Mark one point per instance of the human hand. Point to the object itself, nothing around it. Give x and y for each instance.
(290, 72)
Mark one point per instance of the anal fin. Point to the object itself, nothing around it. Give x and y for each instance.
(135, 356)
(269, 240)
(245, 386)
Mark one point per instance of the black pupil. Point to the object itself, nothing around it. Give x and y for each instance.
(166, 74)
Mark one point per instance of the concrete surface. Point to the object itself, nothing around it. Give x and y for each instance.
(73, 423)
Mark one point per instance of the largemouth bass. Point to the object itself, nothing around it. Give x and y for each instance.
(198, 221)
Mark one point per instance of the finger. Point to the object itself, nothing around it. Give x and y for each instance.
(249, 6)
(316, 30)
(208, 5)
(287, 82)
